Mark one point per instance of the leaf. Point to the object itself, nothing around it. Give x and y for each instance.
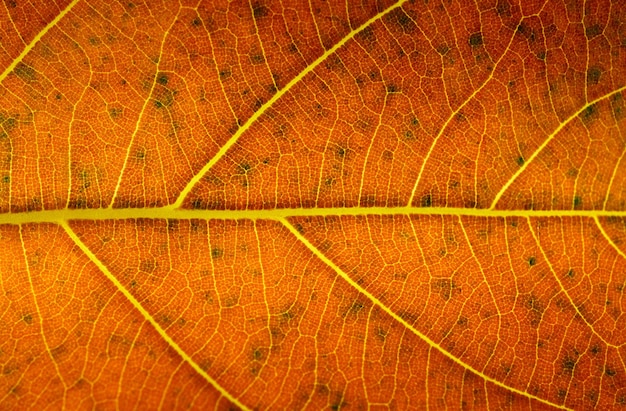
(288, 205)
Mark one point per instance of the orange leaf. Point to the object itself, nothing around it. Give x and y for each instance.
(292, 205)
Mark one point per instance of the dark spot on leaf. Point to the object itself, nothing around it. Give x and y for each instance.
(257, 59)
(503, 8)
(526, 31)
(257, 354)
(224, 74)
(356, 307)
(162, 79)
(58, 351)
(426, 201)
(334, 63)
(381, 334)
(9, 125)
(164, 98)
(568, 364)
(401, 19)
(536, 308)
(259, 11)
(532, 261)
(589, 113)
(6, 179)
(243, 168)
(577, 201)
(617, 103)
(147, 266)
(593, 31)
(570, 273)
(520, 161)
(445, 287)
(476, 39)
(115, 112)
(442, 49)
(28, 319)
(341, 152)
(217, 252)
(140, 154)
(593, 75)
(339, 402)
(164, 319)
(196, 22)
(26, 73)
(391, 88)
(541, 55)
(610, 372)
(367, 35)
(258, 104)
(230, 301)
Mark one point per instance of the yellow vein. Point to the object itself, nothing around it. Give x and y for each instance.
(405, 324)
(608, 238)
(453, 115)
(147, 315)
(38, 37)
(530, 159)
(55, 216)
(621, 158)
(41, 317)
(140, 116)
(246, 126)
(558, 280)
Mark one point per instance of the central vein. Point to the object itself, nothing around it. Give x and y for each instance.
(53, 216)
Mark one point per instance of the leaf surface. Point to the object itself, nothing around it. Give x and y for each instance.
(288, 205)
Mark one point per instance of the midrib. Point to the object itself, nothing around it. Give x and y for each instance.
(55, 216)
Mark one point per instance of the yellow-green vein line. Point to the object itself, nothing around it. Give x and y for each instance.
(38, 37)
(608, 238)
(246, 126)
(530, 159)
(562, 287)
(55, 216)
(147, 315)
(404, 323)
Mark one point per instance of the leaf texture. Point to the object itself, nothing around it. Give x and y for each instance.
(312, 205)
